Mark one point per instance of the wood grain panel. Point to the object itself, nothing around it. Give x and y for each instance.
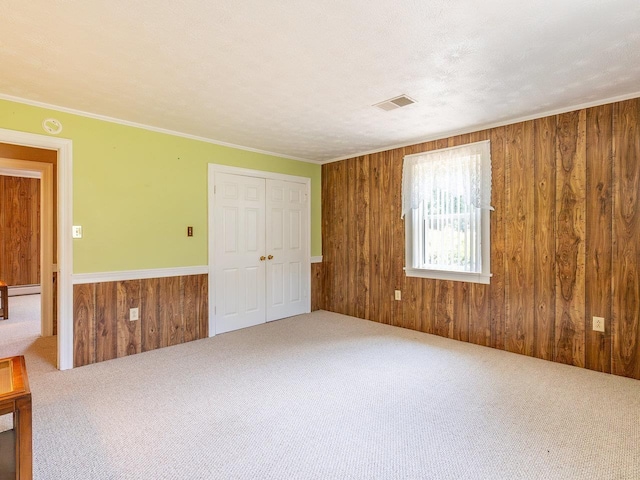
(429, 313)
(362, 299)
(375, 247)
(544, 237)
(570, 249)
(337, 262)
(316, 287)
(329, 194)
(498, 238)
(519, 268)
(188, 289)
(202, 303)
(129, 332)
(599, 167)
(350, 231)
(149, 315)
(20, 230)
(170, 311)
(412, 303)
(341, 259)
(84, 340)
(626, 248)
(385, 237)
(194, 303)
(106, 321)
(461, 311)
(444, 303)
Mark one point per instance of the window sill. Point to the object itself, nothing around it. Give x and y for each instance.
(447, 275)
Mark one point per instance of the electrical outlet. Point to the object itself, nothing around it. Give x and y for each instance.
(598, 324)
(398, 295)
(76, 231)
(133, 314)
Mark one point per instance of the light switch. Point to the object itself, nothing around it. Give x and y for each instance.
(76, 232)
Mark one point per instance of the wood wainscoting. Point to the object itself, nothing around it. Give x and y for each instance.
(316, 286)
(565, 242)
(172, 310)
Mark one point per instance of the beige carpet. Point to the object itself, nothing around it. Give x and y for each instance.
(325, 396)
(20, 335)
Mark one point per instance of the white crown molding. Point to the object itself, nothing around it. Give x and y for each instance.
(99, 277)
(104, 118)
(316, 259)
(486, 126)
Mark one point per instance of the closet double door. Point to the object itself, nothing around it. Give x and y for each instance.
(261, 250)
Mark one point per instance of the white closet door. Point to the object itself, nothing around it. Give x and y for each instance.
(288, 266)
(239, 245)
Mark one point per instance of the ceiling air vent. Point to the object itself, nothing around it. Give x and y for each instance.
(393, 103)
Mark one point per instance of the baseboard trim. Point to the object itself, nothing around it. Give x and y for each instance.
(23, 290)
(100, 277)
(316, 259)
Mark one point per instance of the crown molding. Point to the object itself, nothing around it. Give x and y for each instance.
(486, 126)
(105, 118)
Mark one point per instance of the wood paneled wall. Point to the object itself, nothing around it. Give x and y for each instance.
(565, 242)
(18, 152)
(20, 230)
(172, 310)
(316, 286)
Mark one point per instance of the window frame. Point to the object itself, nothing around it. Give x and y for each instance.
(412, 242)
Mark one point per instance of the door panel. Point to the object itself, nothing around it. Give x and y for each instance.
(295, 281)
(239, 274)
(231, 285)
(287, 276)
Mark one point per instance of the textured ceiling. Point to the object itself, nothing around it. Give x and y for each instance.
(299, 77)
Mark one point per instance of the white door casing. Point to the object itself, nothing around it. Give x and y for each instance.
(229, 293)
(64, 147)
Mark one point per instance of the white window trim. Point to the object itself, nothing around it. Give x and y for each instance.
(472, 277)
(483, 277)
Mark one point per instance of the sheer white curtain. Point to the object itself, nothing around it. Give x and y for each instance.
(443, 192)
(464, 170)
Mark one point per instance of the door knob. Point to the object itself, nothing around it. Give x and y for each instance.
(262, 258)
(270, 257)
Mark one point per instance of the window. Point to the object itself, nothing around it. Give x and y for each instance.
(445, 202)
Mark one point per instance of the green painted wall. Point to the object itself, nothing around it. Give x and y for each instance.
(135, 191)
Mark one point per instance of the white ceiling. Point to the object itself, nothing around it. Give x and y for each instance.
(299, 77)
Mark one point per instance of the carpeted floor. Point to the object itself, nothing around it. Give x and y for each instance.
(20, 335)
(326, 396)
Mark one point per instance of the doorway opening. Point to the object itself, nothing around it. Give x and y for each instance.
(28, 227)
(55, 224)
